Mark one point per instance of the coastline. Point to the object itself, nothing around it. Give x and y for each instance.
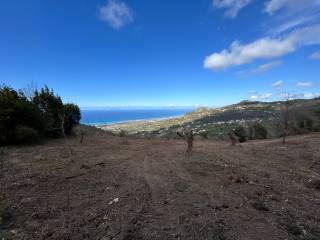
(135, 126)
(119, 117)
(149, 120)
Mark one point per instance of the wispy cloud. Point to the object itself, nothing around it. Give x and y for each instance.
(288, 15)
(266, 67)
(273, 6)
(305, 95)
(290, 6)
(232, 6)
(116, 13)
(303, 84)
(263, 68)
(315, 56)
(260, 97)
(264, 48)
(277, 84)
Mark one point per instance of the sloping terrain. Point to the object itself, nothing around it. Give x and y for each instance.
(219, 121)
(149, 189)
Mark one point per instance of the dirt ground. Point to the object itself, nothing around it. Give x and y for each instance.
(149, 189)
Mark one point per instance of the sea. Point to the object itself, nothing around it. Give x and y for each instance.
(113, 116)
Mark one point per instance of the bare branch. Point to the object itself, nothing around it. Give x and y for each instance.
(188, 135)
(62, 117)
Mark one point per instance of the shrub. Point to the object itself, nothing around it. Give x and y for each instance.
(16, 110)
(25, 134)
(72, 116)
(241, 133)
(24, 121)
(123, 134)
(258, 131)
(309, 124)
(204, 134)
(51, 107)
(303, 124)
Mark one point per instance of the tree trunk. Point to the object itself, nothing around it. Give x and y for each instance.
(190, 144)
(65, 136)
(81, 139)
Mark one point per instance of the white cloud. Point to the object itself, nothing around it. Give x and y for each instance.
(315, 56)
(259, 69)
(260, 97)
(264, 48)
(290, 6)
(237, 54)
(278, 84)
(275, 5)
(304, 84)
(266, 67)
(232, 6)
(305, 95)
(292, 14)
(311, 95)
(116, 13)
(288, 24)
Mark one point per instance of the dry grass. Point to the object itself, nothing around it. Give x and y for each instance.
(151, 190)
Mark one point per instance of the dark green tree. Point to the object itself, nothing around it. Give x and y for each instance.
(259, 131)
(51, 107)
(20, 119)
(241, 134)
(72, 116)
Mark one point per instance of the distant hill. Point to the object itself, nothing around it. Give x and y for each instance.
(219, 121)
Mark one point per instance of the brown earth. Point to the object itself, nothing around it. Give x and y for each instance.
(149, 189)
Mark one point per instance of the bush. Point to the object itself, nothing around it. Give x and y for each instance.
(241, 133)
(303, 124)
(309, 124)
(258, 131)
(204, 134)
(25, 134)
(50, 106)
(26, 121)
(16, 110)
(72, 116)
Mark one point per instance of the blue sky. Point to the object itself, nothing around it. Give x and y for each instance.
(162, 53)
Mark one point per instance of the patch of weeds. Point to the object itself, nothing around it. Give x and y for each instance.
(5, 216)
(260, 206)
(1, 158)
(216, 234)
(181, 186)
(300, 233)
(315, 184)
(310, 237)
(293, 229)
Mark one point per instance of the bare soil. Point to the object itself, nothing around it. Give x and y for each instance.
(149, 189)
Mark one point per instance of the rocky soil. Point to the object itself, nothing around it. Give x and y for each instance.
(149, 189)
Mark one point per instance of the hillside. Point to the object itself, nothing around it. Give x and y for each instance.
(149, 189)
(218, 121)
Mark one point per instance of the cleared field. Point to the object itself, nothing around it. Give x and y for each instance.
(149, 189)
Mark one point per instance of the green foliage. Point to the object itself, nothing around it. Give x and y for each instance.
(257, 131)
(204, 134)
(16, 110)
(72, 116)
(26, 121)
(51, 107)
(25, 134)
(241, 133)
(303, 124)
(317, 111)
(307, 124)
